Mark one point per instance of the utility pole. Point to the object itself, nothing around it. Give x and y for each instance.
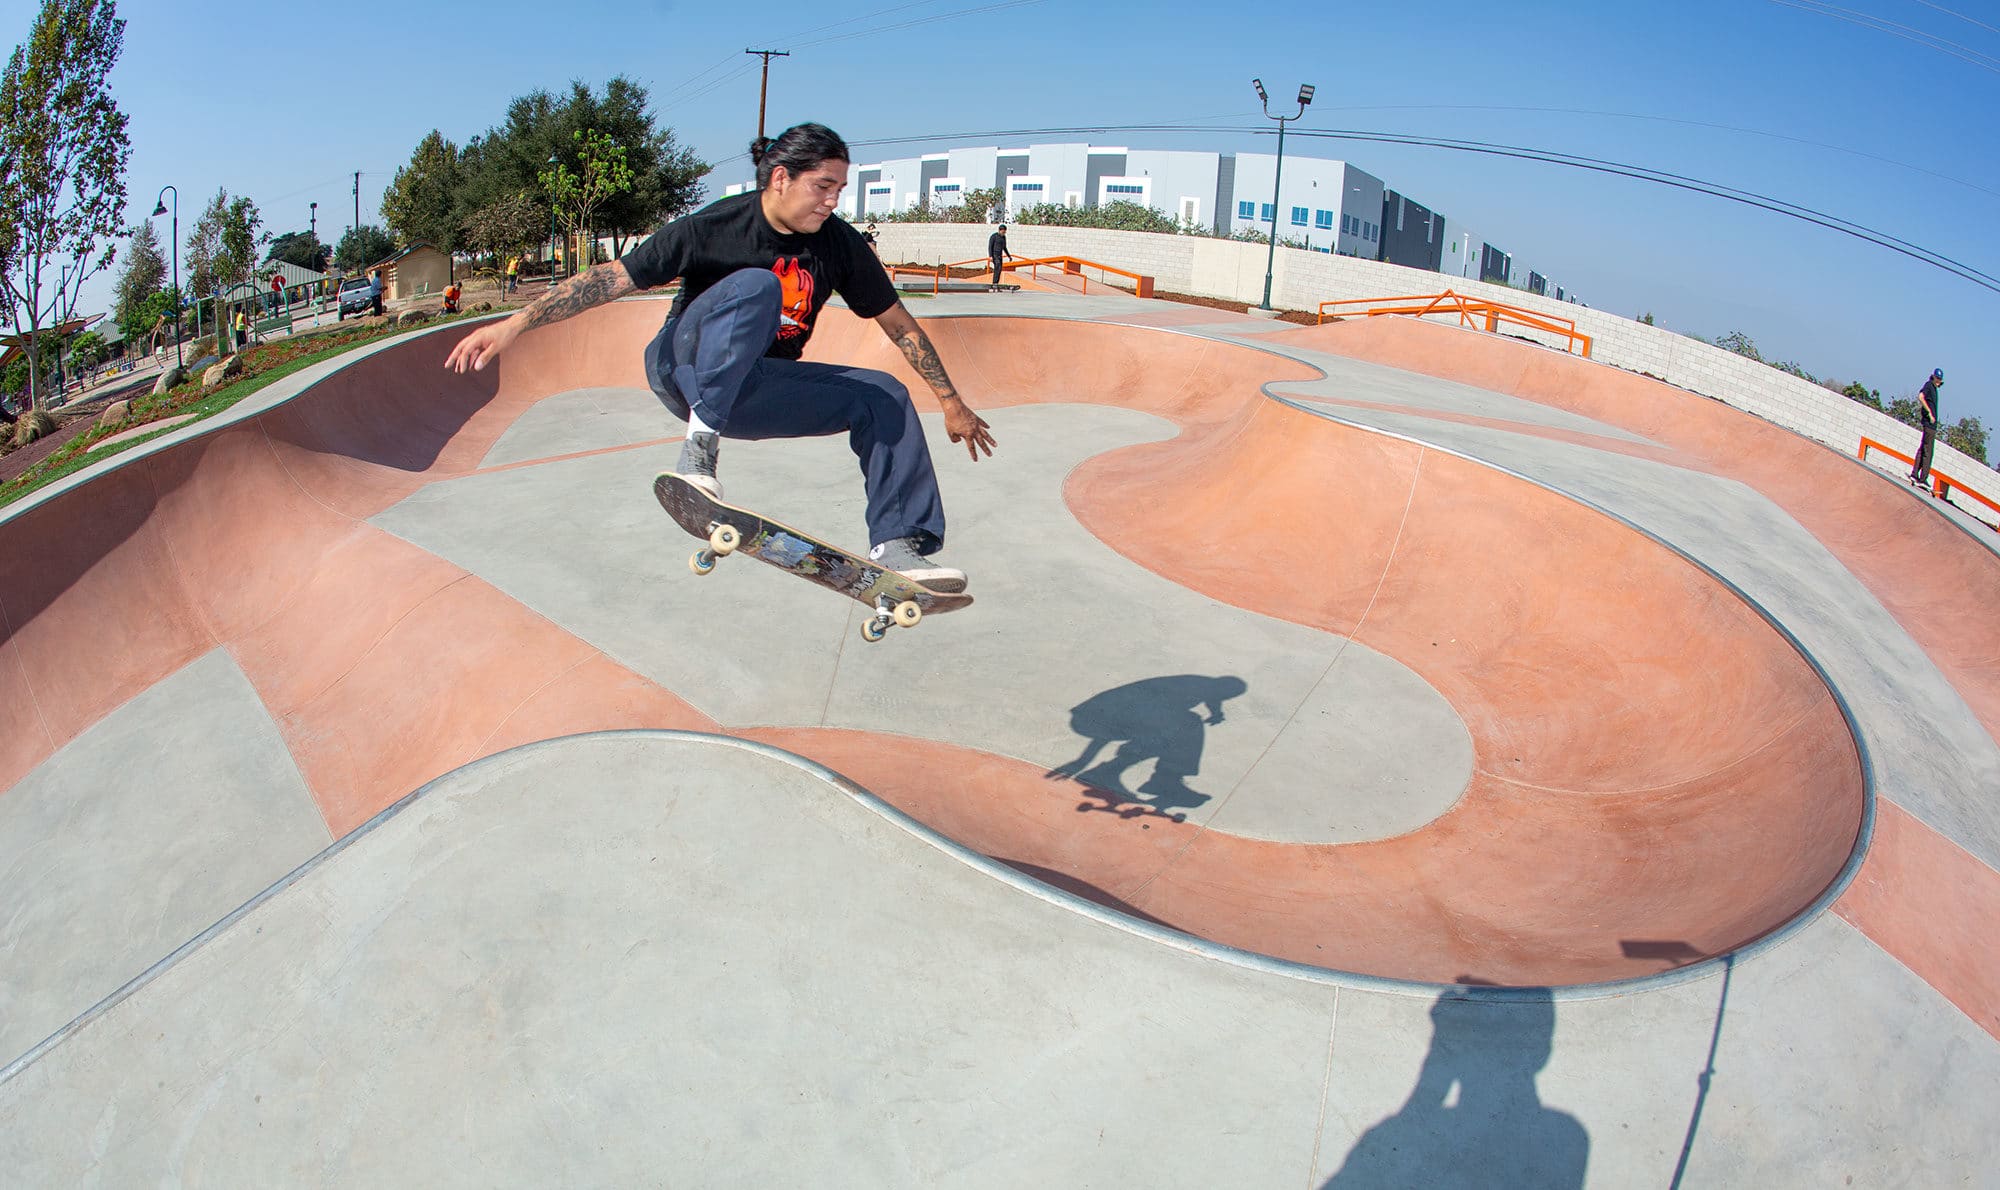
(765, 86)
(357, 198)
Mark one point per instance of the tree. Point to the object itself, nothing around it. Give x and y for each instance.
(421, 204)
(1741, 344)
(1967, 434)
(88, 349)
(301, 248)
(138, 322)
(1859, 392)
(506, 226)
(540, 127)
(602, 172)
(222, 249)
(145, 275)
(63, 142)
(1647, 318)
(363, 246)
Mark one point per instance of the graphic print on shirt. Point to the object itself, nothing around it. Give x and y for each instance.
(795, 313)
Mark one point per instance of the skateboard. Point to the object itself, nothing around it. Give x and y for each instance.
(896, 600)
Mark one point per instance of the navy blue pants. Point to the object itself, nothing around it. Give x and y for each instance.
(712, 358)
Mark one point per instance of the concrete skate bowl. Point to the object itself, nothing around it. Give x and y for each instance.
(1652, 762)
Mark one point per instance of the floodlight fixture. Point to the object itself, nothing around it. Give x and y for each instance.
(1305, 94)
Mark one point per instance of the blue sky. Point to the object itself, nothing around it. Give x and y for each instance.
(283, 102)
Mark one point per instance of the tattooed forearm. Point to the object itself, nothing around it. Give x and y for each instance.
(592, 288)
(916, 346)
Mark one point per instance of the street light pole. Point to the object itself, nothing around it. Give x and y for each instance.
(174, 245)
(1277, 176)
(312, 225)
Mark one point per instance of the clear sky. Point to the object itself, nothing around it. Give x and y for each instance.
(282, 102)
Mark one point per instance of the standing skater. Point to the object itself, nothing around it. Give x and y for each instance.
(755, 271)
(1927, 410)
(996, 247)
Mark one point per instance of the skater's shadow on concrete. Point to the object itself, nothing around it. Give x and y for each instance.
(1158, 719)
(1474, 1118)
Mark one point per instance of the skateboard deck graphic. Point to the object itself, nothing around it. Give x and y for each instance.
(897, 600)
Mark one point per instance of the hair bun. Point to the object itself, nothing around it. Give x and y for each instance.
(758, 148)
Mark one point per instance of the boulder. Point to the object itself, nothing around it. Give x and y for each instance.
(116, 411)
(171, 378)
(228, 368)
(413, 317)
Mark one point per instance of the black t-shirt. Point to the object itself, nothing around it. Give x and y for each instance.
(732, 233)
(996, 244)
(1930, 391)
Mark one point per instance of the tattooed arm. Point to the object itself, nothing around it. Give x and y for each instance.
(959, 420)
(593, 287)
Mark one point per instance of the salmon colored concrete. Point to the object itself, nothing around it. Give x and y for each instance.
(1937, 904)
(1882, 542)
(382, 665)
(1652, 761)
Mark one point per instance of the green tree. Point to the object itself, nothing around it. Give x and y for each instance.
(63, 142)
(575, 197)
(1741, 344)
(88, 349)
(541, 128)
(145, 274)
(1967, 434)
(422, 203)
(1647, 318)
(138, 322)
(363, 246)
(222, 249)
(1861, 393)
(506, 226)
(301, 248)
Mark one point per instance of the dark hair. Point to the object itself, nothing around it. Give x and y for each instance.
(798, 148)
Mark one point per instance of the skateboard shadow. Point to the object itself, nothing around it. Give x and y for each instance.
(1155, 719)
(1474, 1117)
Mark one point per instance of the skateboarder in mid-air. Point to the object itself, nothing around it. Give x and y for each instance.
(755, 270)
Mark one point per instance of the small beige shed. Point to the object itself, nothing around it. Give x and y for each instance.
(414, 272)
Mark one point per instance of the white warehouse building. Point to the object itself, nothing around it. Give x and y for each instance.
(1327, 205)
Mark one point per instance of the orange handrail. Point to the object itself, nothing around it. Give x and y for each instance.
(1941, 484)
(1073, 266)
(1492, 314)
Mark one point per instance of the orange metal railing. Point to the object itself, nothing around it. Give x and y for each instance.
(1941, 484)
(1472, 312)
(1071, 266)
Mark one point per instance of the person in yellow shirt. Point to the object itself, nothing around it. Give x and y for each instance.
(513, 273)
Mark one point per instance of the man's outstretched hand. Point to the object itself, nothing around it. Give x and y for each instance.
(480, 347)
(968, 427)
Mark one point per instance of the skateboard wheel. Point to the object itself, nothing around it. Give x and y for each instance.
(907, 614)
(873, 630)
(724, 539)
(701, 562)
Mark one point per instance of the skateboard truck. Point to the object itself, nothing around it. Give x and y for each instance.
(889, 612)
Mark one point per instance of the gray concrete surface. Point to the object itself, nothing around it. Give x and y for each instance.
(786, 655)
(136, 836)
(709, 963)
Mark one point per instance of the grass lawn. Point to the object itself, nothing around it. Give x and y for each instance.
(263, 365)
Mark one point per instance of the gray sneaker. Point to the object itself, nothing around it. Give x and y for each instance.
(697, 464)
(902, 557)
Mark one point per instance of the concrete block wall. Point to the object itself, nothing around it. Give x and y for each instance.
(1301, 280)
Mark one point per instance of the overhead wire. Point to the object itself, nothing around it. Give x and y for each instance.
(1764, 202)
(1963, 53)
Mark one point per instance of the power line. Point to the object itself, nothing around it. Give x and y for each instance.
(1928, 40)
(1764, 202)
(1571, 111)
(1961, 16)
